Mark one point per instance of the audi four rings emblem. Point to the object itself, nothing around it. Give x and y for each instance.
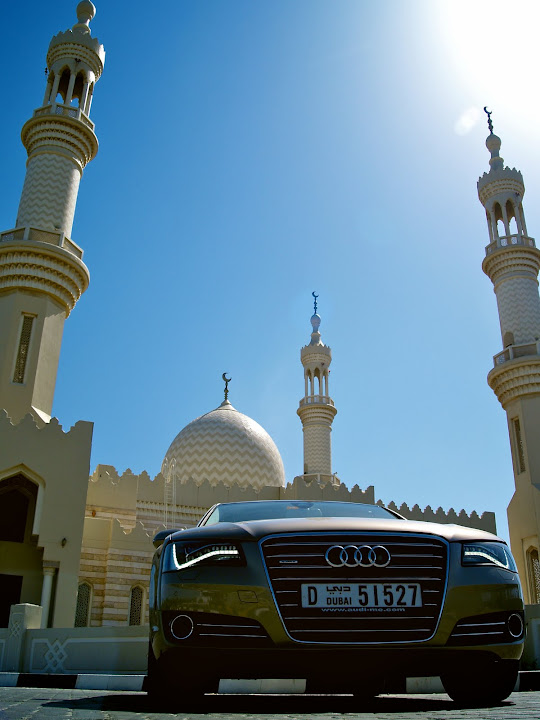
(354, 556)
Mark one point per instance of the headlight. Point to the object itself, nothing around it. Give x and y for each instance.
(488, 553)
(185, 555)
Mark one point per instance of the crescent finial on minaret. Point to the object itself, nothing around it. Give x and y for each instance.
(488, 113)
(315, 301)
(227, 381)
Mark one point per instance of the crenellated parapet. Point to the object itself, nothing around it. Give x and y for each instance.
(144, 498)
(485, 521)
(499, 182)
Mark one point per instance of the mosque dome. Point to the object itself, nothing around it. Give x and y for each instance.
(225, 446)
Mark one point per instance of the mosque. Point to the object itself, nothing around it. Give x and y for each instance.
(79, 544)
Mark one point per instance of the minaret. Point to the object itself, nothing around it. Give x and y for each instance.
(316, 408)
(42, 274)
(512, 263)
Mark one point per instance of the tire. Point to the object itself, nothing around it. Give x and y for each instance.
(168, 686)
(369, 690)
(486, 686)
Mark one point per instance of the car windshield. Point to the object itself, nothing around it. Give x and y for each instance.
(275, 509)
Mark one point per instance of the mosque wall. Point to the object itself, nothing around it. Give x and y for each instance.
(44, 480)
(124, 512)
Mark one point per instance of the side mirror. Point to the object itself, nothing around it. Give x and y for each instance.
(162, 534)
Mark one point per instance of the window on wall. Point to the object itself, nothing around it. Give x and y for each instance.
(22, 352)
(518, 445)
(136, 606)
(82, 612)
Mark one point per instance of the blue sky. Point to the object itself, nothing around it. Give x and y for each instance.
(252, 152)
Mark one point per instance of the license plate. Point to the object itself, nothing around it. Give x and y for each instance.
(362, 595)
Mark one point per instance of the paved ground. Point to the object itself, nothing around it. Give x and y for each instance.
(53, 704)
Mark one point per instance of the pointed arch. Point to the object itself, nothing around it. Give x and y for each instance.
(63, 83)
(18, 497)
(29, 474)
(512, 217)
(508, 339)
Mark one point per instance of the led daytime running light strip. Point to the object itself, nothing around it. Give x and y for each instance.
(209, 552)
(477, 552)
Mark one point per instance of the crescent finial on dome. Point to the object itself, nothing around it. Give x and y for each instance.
(227, 381)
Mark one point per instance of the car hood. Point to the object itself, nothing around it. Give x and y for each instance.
(257, 529)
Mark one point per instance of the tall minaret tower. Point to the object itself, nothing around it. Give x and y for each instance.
(42, 274)
(512, 263)
(317, 410)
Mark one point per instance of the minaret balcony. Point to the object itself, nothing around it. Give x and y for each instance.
(509, 241)
(30, 234)
(317, 400)
(66, 111)
(514, 352)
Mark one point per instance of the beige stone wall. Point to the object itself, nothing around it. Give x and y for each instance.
(113, 562)
(57, 464)
(125, 511)
(524, 508)
(36, 394)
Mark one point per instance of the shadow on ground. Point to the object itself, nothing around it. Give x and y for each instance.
(262, 704)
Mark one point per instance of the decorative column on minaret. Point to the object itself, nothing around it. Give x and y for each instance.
(512, 263)
(317, 409)
(41, 270)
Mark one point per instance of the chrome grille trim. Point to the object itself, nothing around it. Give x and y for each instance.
(236, 635)
(477, 634)
(328, 627)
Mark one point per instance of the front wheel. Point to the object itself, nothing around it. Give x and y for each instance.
(172, 686)
(486, 686)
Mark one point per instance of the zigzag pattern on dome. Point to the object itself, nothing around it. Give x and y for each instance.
(225, 446)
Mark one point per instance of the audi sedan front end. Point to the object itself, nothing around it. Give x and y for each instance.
(348, 597)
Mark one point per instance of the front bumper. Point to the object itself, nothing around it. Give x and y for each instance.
(243, 597)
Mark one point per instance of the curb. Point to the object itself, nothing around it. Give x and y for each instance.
(529, 680)
(130, 683)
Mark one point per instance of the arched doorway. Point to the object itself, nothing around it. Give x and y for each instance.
(21, 570)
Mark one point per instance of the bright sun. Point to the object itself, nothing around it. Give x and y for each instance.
(493, 46)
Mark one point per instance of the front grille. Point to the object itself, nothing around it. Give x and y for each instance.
(214, 630)
(489, 629)
(293, 560)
